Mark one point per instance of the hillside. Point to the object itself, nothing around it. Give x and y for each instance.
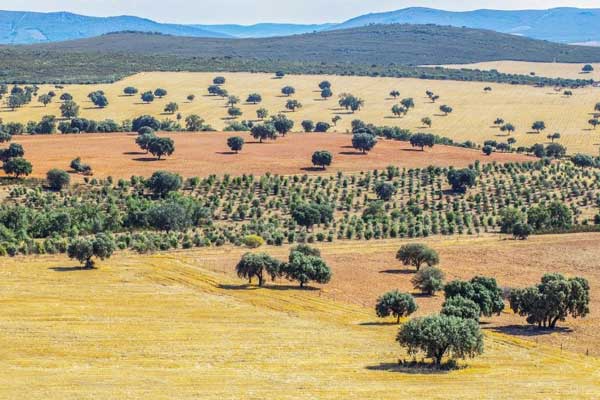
(31, 27)
(576, 25)
(265, 30)
(378, 44)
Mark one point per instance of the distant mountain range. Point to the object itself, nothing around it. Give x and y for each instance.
(562, 25)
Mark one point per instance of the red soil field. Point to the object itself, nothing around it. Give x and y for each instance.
(202, 154)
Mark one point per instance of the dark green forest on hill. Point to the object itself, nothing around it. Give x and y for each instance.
(380, 50)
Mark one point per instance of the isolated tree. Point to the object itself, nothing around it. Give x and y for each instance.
(487, 150)
(325, 85)
(445, 109)
(214, 90)
(235, 143)
(482, 290)
(509, 128)
(234, 112)
(308, 125)
(421, 140)
(144, 140)
(438, 335)
(58, 179)
(171, 108)
(552, 300)
(363, 142)
(66, 97)
(219, 80)
(498, 121)
(426, 121)
(538, 126)
(232, 101)
(322, 127)
(322, 158)
(45, 99)
(17, 166)
(263, 132)
(258, 265)
(254, 98)
(162, 183)
(396, 304)
(100, 246)
(553, 136)
(161, 146)
(288, 90)
(408, 103)
(100, 100)
(587, 68)
(69, 109)
(160, 93)
(568, 93)
(398, 110)
(130, 91)
(428, 280)
(487, 89)
(191, 98)
(326, 93)
(262, 113)
(147, 97)
(306, 268)
(460, 307)
(394, 93)
(336, 119)
(279, 74)
(293, 105)
(385, 191)
(417, 254)
(282, 124)
(194, 123)
(13, 151)
(594, 122)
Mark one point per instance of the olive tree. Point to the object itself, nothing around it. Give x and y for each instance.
(396, 304)
(83, 250)
(417, 254)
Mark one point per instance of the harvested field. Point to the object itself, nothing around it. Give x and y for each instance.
(364, 270)
(202, 154)
(163, 327)
(474, 110)
(550, 70)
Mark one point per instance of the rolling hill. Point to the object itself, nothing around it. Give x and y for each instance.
(377, 44)
(564, 25)
(31, 27)
(265, 30)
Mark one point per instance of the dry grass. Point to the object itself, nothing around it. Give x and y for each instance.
(474, 110)
(550, 70)
(162, 327)
(202, 154)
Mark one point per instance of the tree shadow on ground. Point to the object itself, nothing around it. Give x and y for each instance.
(226, 153)
(352, 153)
(71, 269)
(398, 271)
(148, 159)
(378, 323)
(247, 286)
(419, 150)
(312, 169)
(529, 330)
(412, 368)
(134, 153)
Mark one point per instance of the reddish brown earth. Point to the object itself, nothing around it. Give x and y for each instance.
(202, 154)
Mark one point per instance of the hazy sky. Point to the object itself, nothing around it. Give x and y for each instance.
(253, 11)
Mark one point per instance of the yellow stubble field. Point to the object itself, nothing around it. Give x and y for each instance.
(474, 110)
(173, 326)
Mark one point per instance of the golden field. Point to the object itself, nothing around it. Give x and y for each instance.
(474, 110)
(550, 70)
(179, 325)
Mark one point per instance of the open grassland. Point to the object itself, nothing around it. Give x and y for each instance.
(163, 326)
(202, 154)
(474, 109)
(550, 70)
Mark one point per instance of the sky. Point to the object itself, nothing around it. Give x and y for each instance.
(250, 12)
